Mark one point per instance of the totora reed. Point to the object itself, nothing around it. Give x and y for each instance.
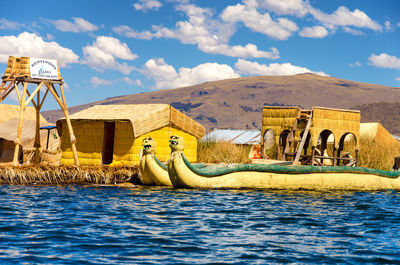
(65, 175)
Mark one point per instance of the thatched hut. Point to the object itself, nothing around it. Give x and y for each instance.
(113, 134)
(9, 112)
(287, 125)
(8, 134)
(376, 133)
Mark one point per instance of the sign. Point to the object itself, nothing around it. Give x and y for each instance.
(44, 68)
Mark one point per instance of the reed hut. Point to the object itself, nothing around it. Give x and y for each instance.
(376, 133)
(113, 134)
(288, 124)
(9, 112)
(8, 134)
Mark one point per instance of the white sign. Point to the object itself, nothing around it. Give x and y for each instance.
(43, 68)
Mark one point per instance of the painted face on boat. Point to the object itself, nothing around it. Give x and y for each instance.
(176, 143)
(149, 145)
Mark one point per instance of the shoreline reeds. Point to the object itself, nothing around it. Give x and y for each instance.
(67, 175)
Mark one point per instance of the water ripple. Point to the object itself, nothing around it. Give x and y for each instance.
(109, 225)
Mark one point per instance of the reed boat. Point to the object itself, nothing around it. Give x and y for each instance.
(284, 177)
(153, 170)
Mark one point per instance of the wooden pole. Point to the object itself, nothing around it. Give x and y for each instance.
(68, 121)
(37, 133)
(20, 123)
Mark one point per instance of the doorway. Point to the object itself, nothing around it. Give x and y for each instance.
(108, 142)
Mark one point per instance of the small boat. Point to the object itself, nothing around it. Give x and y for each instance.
(153, 171)
(284, 177)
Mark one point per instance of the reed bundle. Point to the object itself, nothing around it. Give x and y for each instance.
(65, 175)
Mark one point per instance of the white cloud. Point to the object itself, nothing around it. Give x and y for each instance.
(129, 81)
(397, 78)
(253, 68)
(210, 35)
(32, 45)
(167, 77)
(289, 7)
(263, 23)
(313, 32)
(10, 25)
(355, 64)
(79, 25)
(353, 31)
(102, 54)
(344, 17)
(96, 81)
(388, 25)
(49, 36)
(384, 61)
(341, 17)
(144, 5)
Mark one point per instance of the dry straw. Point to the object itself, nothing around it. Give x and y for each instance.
(65, 175)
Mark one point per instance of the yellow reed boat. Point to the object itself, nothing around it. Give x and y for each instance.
(262, 176)
(153, 171)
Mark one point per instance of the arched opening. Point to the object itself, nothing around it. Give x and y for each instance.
(269, 148)
(348, 149)
(283, 144)
(325, 149)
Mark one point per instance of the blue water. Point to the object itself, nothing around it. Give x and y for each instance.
(110, 225)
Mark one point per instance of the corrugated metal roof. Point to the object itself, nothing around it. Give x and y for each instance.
(234, 136)
(396, 137)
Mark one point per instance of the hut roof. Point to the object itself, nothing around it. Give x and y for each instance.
(9, 112)
(143, 117)
(235, 136)
(378, 133)
(8, 131)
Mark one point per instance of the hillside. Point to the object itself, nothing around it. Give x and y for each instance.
(388, 114)
(237, 103)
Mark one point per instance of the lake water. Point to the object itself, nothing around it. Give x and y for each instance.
(111, 225)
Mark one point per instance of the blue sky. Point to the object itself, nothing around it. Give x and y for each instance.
(112, 48)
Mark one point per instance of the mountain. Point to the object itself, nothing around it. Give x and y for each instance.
(237, 103)
(388, 114)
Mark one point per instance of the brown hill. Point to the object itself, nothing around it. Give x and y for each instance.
(237, 103)
(388, 114)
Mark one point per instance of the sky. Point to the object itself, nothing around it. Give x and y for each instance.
(113, 48)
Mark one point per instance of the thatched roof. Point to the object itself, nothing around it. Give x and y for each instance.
(9, 112)
(8, 131)
(377, 133)
(143, 117)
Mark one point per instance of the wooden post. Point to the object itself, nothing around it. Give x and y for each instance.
(356, 164)
(312, 155)
(37, 132)
(20, 123)
(64, 108)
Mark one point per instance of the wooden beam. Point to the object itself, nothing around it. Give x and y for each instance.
(55, 90)
(6, 93)
(37, 131)
(20, 123)
(17, 91)
(66, 115)
(37, 89)
(44, 97)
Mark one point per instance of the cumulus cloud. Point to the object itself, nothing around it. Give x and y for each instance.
(249, 13)
(32, 45)
(96, 81)
(79, 25)
(6, 24)
(355, 64)
(397, 78)
(102, 54)
(253, 68)
(210, 35)
(129, 81)
(166, 76)
(280, 29)
(144, 5)
(384, 60)
(313, 32)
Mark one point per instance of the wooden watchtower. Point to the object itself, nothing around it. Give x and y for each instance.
(44, 73)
